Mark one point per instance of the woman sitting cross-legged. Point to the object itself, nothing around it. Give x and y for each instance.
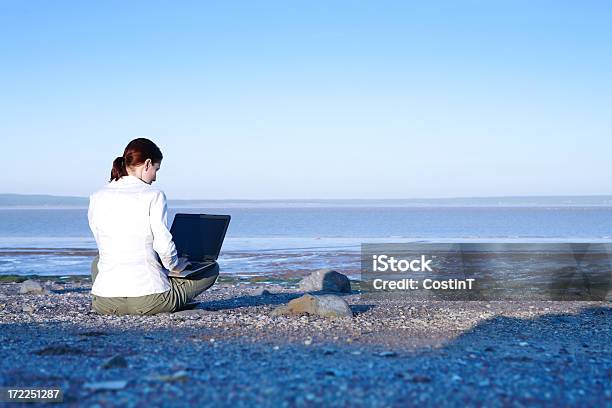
(128, 218)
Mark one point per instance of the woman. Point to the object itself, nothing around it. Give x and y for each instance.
(128, 218)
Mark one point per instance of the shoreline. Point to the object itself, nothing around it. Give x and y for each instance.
(232, 351)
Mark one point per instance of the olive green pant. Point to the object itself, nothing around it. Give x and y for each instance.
(182, 291)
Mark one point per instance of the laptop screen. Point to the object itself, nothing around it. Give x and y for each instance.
(199, 236)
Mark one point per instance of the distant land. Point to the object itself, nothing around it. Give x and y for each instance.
(51, 201)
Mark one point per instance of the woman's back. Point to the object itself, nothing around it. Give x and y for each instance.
(129, 220)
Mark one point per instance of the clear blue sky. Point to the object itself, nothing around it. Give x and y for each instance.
(303, 99)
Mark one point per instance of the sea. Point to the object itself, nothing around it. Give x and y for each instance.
(290, 239)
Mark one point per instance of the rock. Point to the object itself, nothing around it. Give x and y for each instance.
(332, 372)
(262, 292)
(178, 376)
(281, 310)
(117, 361)
(323, 305)
(33, 287)
(332, 305)
(325, 280)
(387, 354)
(28, 308)
(420, 379)
(190, 313)
(106, 385)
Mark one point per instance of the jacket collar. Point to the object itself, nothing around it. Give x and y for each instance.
(130, 180)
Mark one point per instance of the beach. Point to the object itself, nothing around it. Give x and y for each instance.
(234, 350)
(231, 350)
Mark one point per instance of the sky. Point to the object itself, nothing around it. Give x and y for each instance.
(310, 100)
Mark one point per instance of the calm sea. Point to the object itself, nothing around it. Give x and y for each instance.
(286, 240)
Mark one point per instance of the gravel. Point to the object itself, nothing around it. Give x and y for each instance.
(232, 351)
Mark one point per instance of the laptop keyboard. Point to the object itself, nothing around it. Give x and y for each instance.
(198, 265)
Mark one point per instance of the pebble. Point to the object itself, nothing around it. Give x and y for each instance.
(420, 379)
(262, 292)
(27, 308)
(386, 354)
(32, 287)
(105, 385)
(177, 376)
(117, 361)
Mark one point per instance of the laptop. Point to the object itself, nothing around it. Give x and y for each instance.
(198, 237)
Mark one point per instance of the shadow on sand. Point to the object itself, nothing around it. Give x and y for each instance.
(272, 299)
(561, 359)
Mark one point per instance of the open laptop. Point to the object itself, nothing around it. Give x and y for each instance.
(198, 237)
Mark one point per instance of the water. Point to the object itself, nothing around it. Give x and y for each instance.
(286, 240)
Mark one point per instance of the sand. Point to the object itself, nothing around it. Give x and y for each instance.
(231, 351)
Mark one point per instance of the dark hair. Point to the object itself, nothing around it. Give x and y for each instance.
(135, 153)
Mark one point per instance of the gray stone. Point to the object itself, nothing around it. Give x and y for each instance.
(262, 292)
(325, 280)
(28, 308)
(116, 361)
(33, 287)
(190, 313)
(420, 379)
(177, 376)
(332, 305)
(106, 385)
(320, 305)
(387, 354)
(281, 310)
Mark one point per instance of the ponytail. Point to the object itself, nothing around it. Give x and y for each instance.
(118, 170)
(136, 153)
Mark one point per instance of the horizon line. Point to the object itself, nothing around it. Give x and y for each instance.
(342, 199)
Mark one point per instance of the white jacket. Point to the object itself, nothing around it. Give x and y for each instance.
(128, 218)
